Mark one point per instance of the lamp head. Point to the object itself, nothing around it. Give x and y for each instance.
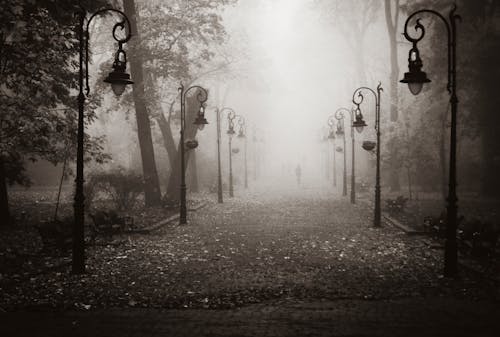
(118, 77)
(415, 77)
(359, 123)
(331, 134)
(200, 120)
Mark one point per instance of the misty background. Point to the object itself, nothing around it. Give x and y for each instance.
(286, 66)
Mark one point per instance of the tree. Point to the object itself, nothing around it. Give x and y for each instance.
(392, 23)
(152, 190)
(353, 18)
(477, 55)
(181, 44)
(37, 72)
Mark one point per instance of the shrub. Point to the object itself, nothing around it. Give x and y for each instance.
(124, 187)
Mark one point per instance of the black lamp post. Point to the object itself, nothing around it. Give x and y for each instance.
(242, 134)
(219, 113)
(331, 137)
(359, 124)
(415, 78)
(339, 115)
(324, 135)
(353, 160)
(118, 78)
(200, 121)
(230, 132)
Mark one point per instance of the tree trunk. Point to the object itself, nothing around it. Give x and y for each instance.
(174, 181)
(391, 23)
(152, 185)
(168, 142)
(488, 103)
(391, 19)
(4, 198)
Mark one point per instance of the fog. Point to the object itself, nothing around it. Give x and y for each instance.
(290, 65)
(299, 70)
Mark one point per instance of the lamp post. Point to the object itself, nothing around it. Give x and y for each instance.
(339, 115)
(353, 159)
(415, 78)
(230, 132)
(200, 121)
(359, 124)
(118, 78)
(242, 134)
(219, 113)
(331, 136)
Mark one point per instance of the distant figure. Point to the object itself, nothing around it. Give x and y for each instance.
(298, 173)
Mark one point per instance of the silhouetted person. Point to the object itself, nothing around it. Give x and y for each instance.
(298, 173)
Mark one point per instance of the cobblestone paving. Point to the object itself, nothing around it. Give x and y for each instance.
(262, 265)
(414, 317)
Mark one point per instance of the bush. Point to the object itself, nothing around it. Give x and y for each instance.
(397, 205)
(124, 187)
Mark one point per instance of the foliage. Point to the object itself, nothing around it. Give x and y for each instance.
(396, 205)
(37, 76)
(477, 51)
(124, 187)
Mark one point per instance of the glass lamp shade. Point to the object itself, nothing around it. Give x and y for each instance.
(118, 79)
(201, 126)
(230, 131)
(415, 87)
(118, 88)
(331, 135)
(359, 123)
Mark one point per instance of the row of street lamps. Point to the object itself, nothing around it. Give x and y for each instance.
(231, 116)
(415, 78)
(358, 123)
(119, 79)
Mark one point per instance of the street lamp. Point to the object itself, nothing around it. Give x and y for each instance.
(219, 113)
(324, 135)
(118, 78)
(353, 161)
(230, 132)
(339, 115)
(415, 79)
(359, 124)
(200, 122)
(331, 136)
(242, 134)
